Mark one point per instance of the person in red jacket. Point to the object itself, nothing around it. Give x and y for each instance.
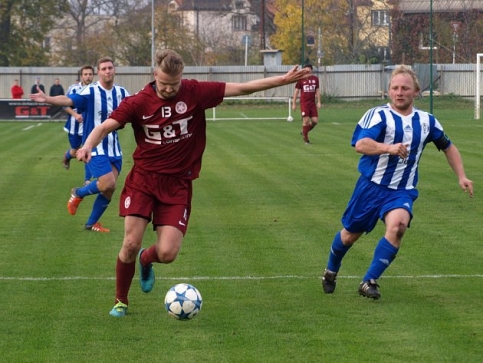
(17, 91)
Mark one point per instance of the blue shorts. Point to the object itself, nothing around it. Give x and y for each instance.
(75, 141)
(371, 202)
(100, 165)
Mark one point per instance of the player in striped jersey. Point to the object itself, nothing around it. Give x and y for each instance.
(96, 102)
(73, 125)
(391, 140)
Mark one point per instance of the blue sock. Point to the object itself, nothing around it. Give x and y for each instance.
(337, 253)
(384, 254)
(88, 189)
(88, 175)
(100, 205)
(67, 155)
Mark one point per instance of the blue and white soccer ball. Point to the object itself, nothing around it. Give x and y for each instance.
(183, 301)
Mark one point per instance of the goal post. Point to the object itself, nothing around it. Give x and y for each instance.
(276, 101)
(478, 86)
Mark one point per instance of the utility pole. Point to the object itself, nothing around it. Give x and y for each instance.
(302, 59)
(263, 45)
(431, 56)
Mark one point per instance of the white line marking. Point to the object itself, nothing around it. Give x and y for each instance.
(32, 126)
(281, 277)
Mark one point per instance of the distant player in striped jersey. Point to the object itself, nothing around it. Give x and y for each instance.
(96, 102)
(73, 126)
(169, 124)
(391, 139)
(309, 91)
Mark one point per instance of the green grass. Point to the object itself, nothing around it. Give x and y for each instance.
(265, 210)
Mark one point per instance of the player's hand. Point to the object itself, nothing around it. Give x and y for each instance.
(467, 185)
(400, 150)
(83, 154)
(38, 97)
(296, 74)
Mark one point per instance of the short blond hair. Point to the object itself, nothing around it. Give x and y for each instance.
(402, 69)
(169, 62)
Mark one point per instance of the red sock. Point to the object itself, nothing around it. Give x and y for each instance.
(124, 276)
(312, 125)
(149, 256)
(305, 132)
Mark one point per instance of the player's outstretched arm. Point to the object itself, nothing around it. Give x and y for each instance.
(55, 100)
(240, 89)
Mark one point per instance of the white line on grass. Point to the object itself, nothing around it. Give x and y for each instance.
(31, 127)
(280, 277)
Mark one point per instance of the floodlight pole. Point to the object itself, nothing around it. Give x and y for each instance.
(152, 35)
(431, 56)
(302, 60)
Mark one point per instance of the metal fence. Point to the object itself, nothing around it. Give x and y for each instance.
(346, 82)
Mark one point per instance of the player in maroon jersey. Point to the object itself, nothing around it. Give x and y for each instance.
(309, 92)
(168, 119)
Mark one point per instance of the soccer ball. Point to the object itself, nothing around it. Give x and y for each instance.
(290, 119)
(183, 301)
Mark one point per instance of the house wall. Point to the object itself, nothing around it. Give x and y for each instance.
(379, 34)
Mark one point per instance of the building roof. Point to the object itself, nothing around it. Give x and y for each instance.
(424, 6)
(206, 5)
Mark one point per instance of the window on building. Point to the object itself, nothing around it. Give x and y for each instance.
(380, 17)
(46, 43)
(239, 5)
(239, 22)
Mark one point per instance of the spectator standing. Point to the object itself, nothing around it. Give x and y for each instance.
(56, 89)
(37, 84)
(16, 90)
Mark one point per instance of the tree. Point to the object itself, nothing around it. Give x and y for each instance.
(347, 32)
(91, 29)
(411, 41)
(23, 25)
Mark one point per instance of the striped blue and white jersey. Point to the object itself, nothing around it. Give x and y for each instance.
(387, 126)
(72, 126)
(96, 104)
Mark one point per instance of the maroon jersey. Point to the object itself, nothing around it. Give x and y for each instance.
(307, 87)
(170, 133)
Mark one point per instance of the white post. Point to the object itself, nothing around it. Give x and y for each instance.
(477, 96)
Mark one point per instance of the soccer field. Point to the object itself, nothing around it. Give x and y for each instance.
(265, 210)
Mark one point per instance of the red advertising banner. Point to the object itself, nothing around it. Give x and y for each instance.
(11, 109)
